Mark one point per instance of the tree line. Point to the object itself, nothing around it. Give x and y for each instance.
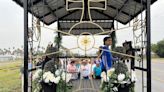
(158, 48)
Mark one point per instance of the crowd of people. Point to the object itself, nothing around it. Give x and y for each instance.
(84, 69)
(88, 68)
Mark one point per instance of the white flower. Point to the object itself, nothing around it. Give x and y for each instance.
(46, 80)
(66, 76)
(36, 74)
(51, 78)
(35, 90)
(103, 74)
(48, 77)
(57, 72)
(69, 76)
(104, 77)
(63, 76)
(115, 81)
(123, 82)
(110, 71)
(133, 76)
(56, 80)
(115, 89)
(121, 77)
(46, 74)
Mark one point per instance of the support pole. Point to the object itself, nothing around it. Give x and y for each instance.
(113, 35)
(25, 45)
(86, 15)
(148, 50)
(133, 59)
(59, 36)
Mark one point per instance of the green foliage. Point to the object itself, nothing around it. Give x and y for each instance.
(105, 86)
(114, 82)
(159, 48)
(36, 87)
(63, 87)
(132, 87)
(58, 40)
(118, 49)
(120, 68)
(50, 66)
(154, 47)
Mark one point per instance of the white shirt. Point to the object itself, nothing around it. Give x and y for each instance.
(85, 70)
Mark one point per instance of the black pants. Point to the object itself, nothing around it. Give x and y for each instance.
(86, 77)
(103, 70)
(97, 77)
(78, 75)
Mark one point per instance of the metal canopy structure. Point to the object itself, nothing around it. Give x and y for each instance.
(123, 11)
(50, 11)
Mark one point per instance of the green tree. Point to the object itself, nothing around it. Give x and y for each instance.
(160, 48)
(154, 47)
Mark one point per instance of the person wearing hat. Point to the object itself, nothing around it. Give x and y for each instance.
(97, 70)
(71, 68)
(84, 71)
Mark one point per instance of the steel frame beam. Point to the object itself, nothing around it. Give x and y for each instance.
(139, 68)
(84, 28)
(62, 17)
(78, 56)
(50, 9)
(120, 10)
(25, 5)
(95, 20)
(148, 49)
(33, 3)
(68, 14)
(101, 12)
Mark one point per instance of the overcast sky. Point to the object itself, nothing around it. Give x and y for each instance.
(11, 26)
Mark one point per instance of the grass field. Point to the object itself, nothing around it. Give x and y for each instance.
(10, 80)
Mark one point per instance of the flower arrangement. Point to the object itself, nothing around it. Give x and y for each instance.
(59, 78)
(37, 78)
(118, 79)
(49, 77)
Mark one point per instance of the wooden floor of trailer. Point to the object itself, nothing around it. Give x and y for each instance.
(86, 85)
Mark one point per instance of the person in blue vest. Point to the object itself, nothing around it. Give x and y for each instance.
(106, 58)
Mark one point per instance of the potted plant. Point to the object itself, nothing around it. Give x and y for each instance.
(50, 82)
(118, 79)
(45, 81)
(37, 78)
